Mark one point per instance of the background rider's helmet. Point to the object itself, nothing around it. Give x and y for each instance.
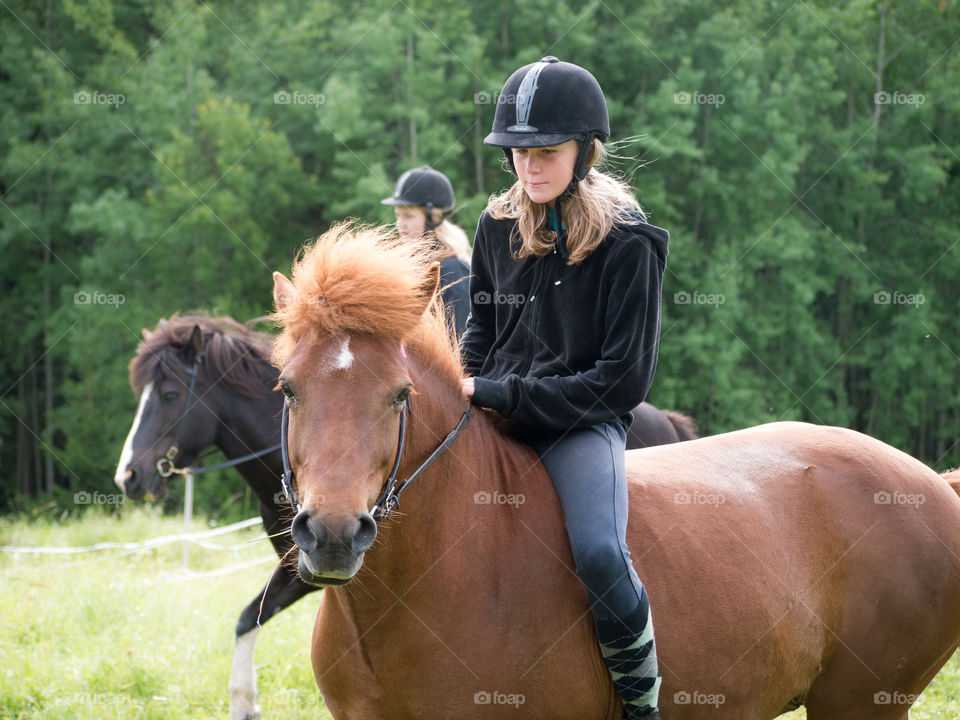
(424, 187)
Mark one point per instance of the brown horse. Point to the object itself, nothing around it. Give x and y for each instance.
(786, 564)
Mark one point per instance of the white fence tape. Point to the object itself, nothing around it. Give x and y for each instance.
(185, 575)
(194, 538)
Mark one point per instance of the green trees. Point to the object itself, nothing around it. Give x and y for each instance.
(804, 158)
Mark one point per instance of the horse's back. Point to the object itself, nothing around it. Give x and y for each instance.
(812, 535)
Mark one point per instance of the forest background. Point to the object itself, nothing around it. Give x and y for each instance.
(162, 157)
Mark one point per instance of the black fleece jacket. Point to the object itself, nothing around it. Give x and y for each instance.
(455, 290)
(560, 346)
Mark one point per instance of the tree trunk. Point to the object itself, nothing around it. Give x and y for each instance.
(24, 447)
(478, 148)
(411, 96)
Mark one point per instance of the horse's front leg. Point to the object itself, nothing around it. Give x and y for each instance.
(243, 678)
(283, 589)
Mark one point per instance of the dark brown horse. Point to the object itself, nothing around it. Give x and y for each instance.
(786, 564)
(232, 408)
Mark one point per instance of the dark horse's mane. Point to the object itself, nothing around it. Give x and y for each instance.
(232, 352)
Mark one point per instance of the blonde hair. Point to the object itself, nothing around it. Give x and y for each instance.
(600, 202)
(453, 241)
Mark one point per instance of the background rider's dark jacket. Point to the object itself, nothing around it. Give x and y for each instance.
(535, 326)
(455, 290)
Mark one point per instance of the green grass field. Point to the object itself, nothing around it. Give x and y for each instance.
(118, 635)
(109, 635)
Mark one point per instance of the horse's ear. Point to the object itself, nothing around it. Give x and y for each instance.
(145, 333)
(430, 284)
(196, 340)
(283, 291)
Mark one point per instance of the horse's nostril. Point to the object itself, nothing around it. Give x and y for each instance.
(128, 481)
(304, 534)
(365, 535)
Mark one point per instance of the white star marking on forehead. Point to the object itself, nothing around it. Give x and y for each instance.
(344, 359)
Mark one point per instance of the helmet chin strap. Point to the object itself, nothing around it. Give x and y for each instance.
(580, 171)
(428, 223)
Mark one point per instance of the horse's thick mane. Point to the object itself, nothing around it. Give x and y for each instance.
(953, 478)
(231, 351)
(365, 280)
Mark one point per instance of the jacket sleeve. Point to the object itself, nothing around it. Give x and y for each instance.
(480, 330)
(628, 358)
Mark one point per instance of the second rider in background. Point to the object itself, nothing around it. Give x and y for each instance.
(422, 200)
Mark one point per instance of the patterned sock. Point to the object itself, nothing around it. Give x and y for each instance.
(630, 652)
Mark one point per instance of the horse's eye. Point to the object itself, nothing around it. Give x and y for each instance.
(401, 397)
(170, 397)
(288, 392)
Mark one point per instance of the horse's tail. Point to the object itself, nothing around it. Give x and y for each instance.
(686, 426)
(953, 479)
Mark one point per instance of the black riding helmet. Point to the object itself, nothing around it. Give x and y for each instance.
(548, 103)
(423, 187)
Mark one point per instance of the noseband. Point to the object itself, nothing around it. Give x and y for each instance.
(390, 497)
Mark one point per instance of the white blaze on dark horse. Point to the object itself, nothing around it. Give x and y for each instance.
(123, 467)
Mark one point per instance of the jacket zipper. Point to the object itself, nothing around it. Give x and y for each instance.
(534, 317)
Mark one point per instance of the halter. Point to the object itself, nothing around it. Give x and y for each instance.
(166, 466)
(390, 497)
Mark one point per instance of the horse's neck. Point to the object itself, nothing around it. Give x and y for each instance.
(252, 424)
(440, 508)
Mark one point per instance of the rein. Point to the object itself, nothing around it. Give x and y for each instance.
(170, 470)
(166, 466)
(390, 497)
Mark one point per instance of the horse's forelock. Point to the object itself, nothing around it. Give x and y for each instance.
(364, 280)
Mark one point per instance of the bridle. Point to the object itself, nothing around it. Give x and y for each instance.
(392, 489)
(166, 466)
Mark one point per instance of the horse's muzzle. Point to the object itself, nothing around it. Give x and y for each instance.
(138, 485)
(331, 549)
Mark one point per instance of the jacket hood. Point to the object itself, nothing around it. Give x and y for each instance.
(658, 237)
